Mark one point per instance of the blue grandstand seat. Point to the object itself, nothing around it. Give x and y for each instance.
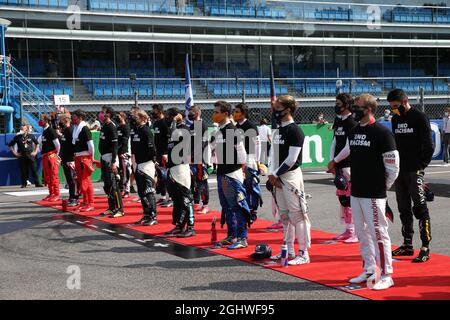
(126, 92)
(131, 6)
(113, 5)
(140, 7)
(98, 92)
(104, 5)
(53, 3)
(215, 11)
(108, 91)
(116, 91)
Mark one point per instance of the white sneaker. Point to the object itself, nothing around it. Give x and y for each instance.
(361, 278)
(302, 258)
(385, 283)
(291, 255)
(353, 239)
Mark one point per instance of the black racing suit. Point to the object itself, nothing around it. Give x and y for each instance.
(143, 149)
(199, 182)
(161, 133)
(108, 147)
(67, 155)
(183, 211)
(415, 145)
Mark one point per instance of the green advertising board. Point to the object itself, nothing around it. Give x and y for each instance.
(316, 148)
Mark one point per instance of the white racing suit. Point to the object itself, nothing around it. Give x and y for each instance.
(371, 224)
(293, 210)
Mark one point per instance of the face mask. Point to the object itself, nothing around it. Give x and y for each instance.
(359, 113)
(191, 116)
(101, 117)
(321, 118)
(279, 115)
(218, 117)
(337, 109)
(74, 122)
(400, 110)
(41, 123)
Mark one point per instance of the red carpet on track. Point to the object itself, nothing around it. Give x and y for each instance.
(332, 264)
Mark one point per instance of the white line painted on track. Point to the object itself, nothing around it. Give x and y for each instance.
(92, 226)
(126, 236)
(144, 240)
(81, 222)
(162, 245)
(108, 230)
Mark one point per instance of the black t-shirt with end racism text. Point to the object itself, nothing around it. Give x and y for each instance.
(194, 139)
(245, 127)
(176, 138)
(342, 129)
(290, 135)
(221, 140)
(143, 144)
(123, 135)
(81, 143)
(161, 132)
(367, 145)
(108, 139)
(67, 148)
(48, 136)
(415, 145)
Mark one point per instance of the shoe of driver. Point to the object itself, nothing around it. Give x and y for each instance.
(384, 283)
(424, 255)
(291, 255)
(300, 259)
(361, 278)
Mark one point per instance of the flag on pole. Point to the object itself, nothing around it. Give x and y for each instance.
(189, 97)
(273, 96)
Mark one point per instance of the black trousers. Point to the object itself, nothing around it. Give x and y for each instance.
(71, 181)
(183, 211)
(162, 181)
(409, 187)
(111, 187)
(446, 147)
(146, 191)
(27, 164)
(200, 188)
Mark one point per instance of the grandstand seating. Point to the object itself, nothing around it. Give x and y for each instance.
(250, 87)
(37, 3)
